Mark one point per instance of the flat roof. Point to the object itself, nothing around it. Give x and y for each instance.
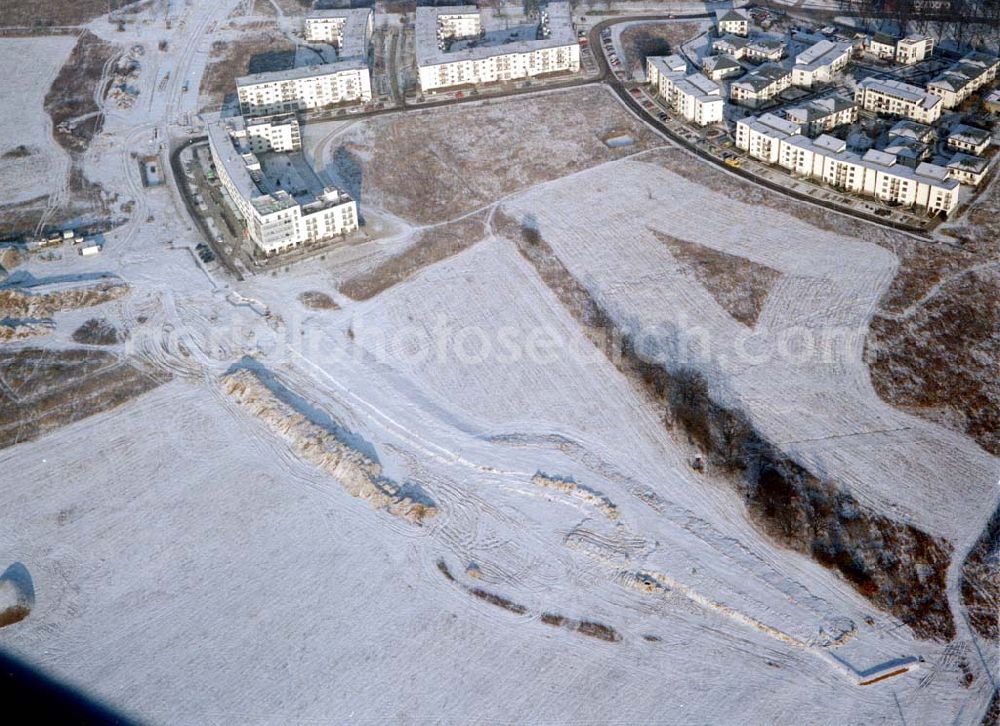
(668, 64)
(560, 23)
(354, 34)
(325, 69)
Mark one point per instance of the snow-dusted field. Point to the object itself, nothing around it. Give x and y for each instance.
(187, 566)
(24, 123)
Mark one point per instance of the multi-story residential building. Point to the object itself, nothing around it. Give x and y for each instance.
(876, 174)
(347, 80)
(824, 114)
(349, 30)
(895, 98)
(964, 78)
(882, 46)
(913, 49)
(718, 67)
(819, 63)
(732, 22)
(441, 64)
(697, 98)
(300, 89)
(764, 49)
(275, 221)
(968, 169)
(273, 133)
(761, 136)
(761, 85)
(969, 139)
(757, 49)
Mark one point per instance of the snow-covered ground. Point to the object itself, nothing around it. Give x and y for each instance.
(24, 122)
(188, 567)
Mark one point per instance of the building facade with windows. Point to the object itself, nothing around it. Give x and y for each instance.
(274, 220)
(555, 48)
(895, 98)
(303, 89)
(694, 96)
(876, 174)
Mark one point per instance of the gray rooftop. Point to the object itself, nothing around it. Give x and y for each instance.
(429, 53)
(326, 69)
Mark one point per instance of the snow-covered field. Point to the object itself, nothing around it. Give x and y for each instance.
(24, 122)
(188, 566)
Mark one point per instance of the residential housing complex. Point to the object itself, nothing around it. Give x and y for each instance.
(876, 173)
(895, 98)
(696, 97)
(441, 65)
(299, 89)
(756, 49)
(276, 221)
(964, 78)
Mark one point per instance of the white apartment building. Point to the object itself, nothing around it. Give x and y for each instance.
(718, 67)
(964, 78)
(301, 89)
(876, 174)
(732, 22)
(273, 133)
(349, 30)
(819, 63)
(824, 114)
(758, 49)
(275, 221)
(555, 49)
(968, 169)
(761, 136)
(895, 98)
(697, 98)
(345, 81)
(761, 85)
(969, 139)
(882, 46)
(913, 49)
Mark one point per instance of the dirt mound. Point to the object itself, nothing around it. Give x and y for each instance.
(17, 594)
(737, 284)
(315, 300)
(597, 500)
(323, 447)
(98, 331)
(16, 303)
(11, 329)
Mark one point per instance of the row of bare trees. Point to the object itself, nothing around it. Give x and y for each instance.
(969, 23)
